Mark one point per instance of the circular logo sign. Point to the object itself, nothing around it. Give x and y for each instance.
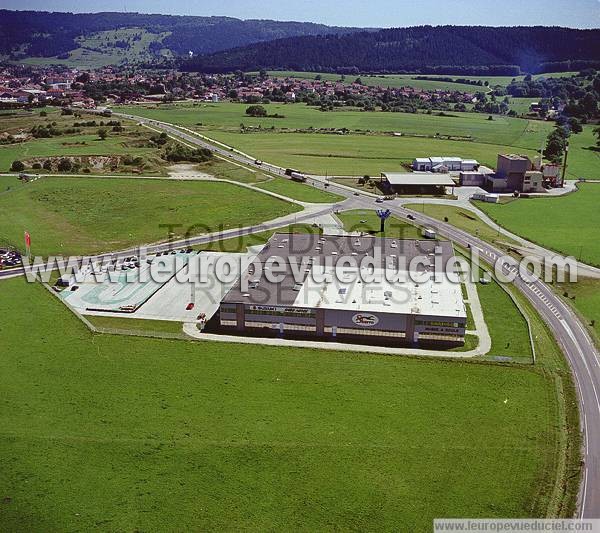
(365, 319)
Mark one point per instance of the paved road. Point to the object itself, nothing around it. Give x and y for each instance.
(568, 330)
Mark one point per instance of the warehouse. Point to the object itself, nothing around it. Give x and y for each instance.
(444, 164)
(330, 301)
(416, 183)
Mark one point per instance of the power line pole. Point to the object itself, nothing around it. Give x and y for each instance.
(564, 169)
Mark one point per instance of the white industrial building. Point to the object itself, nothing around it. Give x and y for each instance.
(336, 301)
(443, 164)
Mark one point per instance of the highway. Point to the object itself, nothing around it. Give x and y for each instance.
(567, 328)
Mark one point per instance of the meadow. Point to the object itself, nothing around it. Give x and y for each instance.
(407, 80)
(566, 224)
(73, 216)
(126, 433)
(374, 141)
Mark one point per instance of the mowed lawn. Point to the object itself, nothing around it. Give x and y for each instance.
(72, 216)
(567, 224)
(125, 433)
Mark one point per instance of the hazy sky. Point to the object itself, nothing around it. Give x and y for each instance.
(377, 13)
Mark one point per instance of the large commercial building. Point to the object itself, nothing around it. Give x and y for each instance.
(416, 182)
(405, 303)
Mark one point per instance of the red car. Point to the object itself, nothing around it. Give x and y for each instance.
(189, 306)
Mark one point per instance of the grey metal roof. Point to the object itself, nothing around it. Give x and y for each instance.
(416, 178)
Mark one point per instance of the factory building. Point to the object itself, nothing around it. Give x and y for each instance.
(443, 164)
(329, 301)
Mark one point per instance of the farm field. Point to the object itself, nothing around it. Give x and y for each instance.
(227, 117)
(184, 435)
(299, 191)
(407, 80)
(72, 216)
(372, 148)
(553, 222)
(354, 155)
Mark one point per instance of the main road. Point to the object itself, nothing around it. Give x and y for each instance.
(568, 330)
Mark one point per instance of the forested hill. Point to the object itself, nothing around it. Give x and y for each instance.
(447, 49)
(44, 34)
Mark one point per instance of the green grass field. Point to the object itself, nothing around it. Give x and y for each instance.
(406, 80)
(584, 295)
(566, 224)
(468, 135)
(228, 116)
(72, 216)
(125, 433)
(300, 191)
(506, 324)
(354, 155)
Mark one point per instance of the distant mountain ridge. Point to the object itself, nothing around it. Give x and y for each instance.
(460, 49)
(48, 34)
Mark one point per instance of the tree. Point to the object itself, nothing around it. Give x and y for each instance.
(597, 134)
(102, 133)
(17, 166)
(574, 125)
(65, 165)
(256, 111)
(556, 144)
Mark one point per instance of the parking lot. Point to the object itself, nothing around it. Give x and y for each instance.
(9, 258)
(138, 292)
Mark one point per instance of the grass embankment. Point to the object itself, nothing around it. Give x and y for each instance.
(155, 434)
(300, 191)
(72, 216)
